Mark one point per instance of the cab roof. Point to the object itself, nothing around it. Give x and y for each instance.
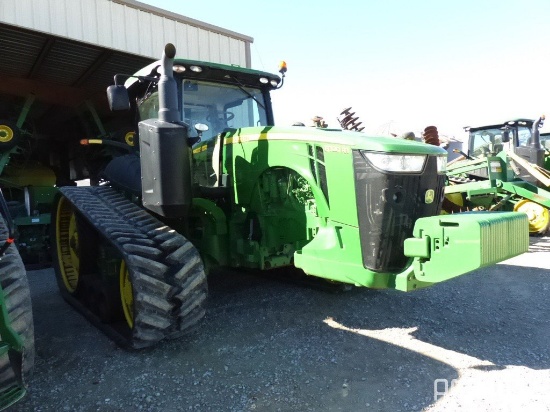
(210, 71)
(522, 121)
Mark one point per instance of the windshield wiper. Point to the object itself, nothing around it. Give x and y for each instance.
(241, 87)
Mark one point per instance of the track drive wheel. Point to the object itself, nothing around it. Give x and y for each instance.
(537, 215)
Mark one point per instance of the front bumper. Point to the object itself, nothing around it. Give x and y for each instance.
(442, 247)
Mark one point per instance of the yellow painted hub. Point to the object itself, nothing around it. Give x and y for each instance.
(537, 215)
(68, 246)
(129, 138)
(6, 133)
(126, 294)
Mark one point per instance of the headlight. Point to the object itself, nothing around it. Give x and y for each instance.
(441, 164)
(396, 162)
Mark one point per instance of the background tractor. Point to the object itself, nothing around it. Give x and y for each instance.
(505, 168)
(214, 183)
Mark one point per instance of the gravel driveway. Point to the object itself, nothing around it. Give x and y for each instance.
(479, 342)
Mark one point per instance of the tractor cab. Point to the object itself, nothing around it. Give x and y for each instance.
(484, 142)
(487, 140)
(527, 146)
(517, 138)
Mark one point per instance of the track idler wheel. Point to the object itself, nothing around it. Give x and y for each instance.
(126, 295)
(67, 246)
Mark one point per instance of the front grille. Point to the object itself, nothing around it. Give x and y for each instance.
(388, 205)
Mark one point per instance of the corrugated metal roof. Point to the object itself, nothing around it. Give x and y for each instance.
(51, 59)
(65, 52)
(128, 26)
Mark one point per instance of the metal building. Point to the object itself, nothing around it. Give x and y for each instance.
(59, 56)
(78, 45)
(128, 26)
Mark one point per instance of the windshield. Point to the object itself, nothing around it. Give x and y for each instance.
(524, 135)
(222, 106)
(481, 140)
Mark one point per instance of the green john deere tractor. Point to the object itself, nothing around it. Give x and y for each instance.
(16, 321)
(506, 168)
(214, 183)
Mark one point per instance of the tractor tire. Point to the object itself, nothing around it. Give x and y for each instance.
(17, 298)
(133, 277)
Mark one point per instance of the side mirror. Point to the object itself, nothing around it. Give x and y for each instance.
(201, 127)
(505, 136)
(118, 98)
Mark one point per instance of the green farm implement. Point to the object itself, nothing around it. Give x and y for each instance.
(506, 168)
(28, 188)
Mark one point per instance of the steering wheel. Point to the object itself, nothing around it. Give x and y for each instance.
(221, 116)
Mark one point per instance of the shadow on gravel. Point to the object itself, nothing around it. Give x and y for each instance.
(498, 314)
(272, 342)
(322, 367)
(486, 320)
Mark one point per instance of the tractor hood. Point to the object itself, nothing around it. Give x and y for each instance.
(352, 140)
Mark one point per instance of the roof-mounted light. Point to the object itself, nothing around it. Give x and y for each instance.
(196, 69)
(264, 80)
(179, 68)
(274, 83)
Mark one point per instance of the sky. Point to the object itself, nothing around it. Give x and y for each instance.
(401, 65)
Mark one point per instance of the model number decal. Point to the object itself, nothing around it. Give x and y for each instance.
(337, 149)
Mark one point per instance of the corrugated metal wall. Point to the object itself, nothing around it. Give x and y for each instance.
(129, 26)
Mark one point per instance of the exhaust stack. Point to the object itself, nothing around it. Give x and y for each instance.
(164, 150)
(168, 96)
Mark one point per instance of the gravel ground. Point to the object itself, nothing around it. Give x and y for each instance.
(268, 345)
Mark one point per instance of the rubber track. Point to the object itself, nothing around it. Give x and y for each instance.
(166, 271)
(15, 286)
